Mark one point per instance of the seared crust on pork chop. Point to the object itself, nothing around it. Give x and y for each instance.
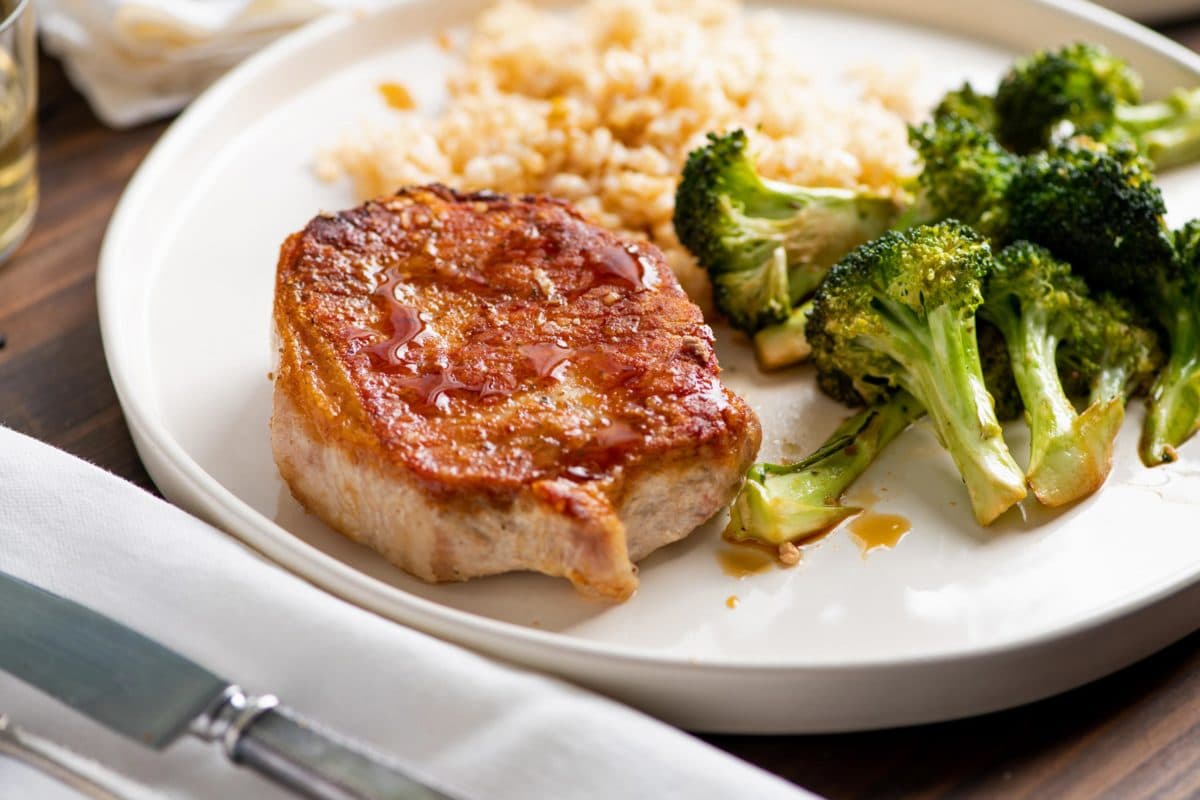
(473, 384)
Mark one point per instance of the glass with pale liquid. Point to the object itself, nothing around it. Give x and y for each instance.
(18, 123)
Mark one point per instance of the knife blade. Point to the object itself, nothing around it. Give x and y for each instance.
(135, 686)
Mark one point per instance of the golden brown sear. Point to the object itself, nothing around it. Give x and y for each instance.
(473, 384)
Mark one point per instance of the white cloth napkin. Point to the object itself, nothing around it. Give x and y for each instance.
(137, 60)
(471, 726)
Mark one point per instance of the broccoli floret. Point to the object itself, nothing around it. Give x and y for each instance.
(1116, 354)
(1079, 83)
(1084, 88)
(899, 312)
(791, 502)
(766, 244)
(838, 385)
(1174, 299)
(1037, 303)
(965, 175)
(969, 105)
(1096, 207)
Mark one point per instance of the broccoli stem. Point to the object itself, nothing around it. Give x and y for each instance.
(791, 237)
(1173, 146)
(1174, 403)
(753, 298)
(1070, 454)
(784, 343)
(829, 224)
(942, 370)
(1032, 353)
(788, 503)
(1168, 129)
(1110, 383)
(815, 226)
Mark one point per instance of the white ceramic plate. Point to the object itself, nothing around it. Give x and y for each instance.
(953, 621)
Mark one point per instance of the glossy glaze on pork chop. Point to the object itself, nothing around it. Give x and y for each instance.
(473, 384)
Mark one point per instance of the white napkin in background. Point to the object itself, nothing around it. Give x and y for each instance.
(137, 60)
(476, 728)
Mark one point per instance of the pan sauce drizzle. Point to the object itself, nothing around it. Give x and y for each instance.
(872, 531)
(740, 561)
(433, 386)
(615, 262)
(617, 435)
(403, 320)
(396, 95)
(624, 265)
(869, 530)
(406, 324)
(550, 360)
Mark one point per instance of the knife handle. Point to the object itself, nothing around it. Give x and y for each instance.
(310, 761)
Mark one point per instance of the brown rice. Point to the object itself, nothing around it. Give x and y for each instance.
(600, 105)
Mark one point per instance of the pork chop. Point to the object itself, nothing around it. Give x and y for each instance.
(473, 384)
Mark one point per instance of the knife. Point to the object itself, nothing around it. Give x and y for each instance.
(140, 689)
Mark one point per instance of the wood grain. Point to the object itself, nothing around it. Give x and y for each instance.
(54, 384)
(1134, 734)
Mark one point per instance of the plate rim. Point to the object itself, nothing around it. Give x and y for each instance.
(158, 448)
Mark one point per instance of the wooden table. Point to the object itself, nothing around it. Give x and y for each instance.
(1134, 734)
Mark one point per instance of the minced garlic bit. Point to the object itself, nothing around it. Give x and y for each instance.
(695, 347)
(789, 554)
(544, 283)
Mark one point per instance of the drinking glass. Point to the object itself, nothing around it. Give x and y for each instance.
(18, 123)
